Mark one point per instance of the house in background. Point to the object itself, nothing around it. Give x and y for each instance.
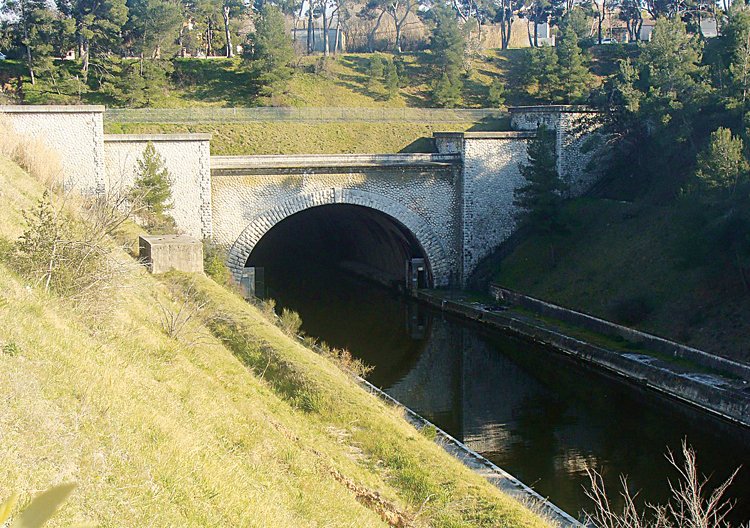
(544, 36)
(299, 37)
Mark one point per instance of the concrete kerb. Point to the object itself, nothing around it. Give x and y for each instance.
(264, 221)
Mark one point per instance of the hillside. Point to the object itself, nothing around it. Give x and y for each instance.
(341, 81)
(624, 261)
(216, 419)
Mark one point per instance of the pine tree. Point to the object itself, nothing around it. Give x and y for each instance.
(153, 189)
(270, 51)
(574, 77)
(496, 96)
(446, 92)
(156, 80)
(375, 73)
(391, 79)
(376, 66)
(448, 47)
(540, 199)
(722, 165)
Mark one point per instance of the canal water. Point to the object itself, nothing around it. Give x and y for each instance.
(535, 413)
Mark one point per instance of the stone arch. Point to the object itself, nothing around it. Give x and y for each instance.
(264, 221)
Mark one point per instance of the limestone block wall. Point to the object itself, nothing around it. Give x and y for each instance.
(187, 159)
(449, 142)
(490, 176)
(74, 132)
(424, 200)
(574, 130)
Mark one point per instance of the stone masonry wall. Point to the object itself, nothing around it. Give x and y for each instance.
(573, 132)
(187, 159)
(424, 201)
(74, 132)
(490, 176)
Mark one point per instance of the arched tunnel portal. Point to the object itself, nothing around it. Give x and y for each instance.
(339, 237)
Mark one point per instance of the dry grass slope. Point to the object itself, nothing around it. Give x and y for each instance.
(228, 422)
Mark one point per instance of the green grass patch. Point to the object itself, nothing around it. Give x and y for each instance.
(304, 138)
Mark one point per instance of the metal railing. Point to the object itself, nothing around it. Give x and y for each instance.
(302, 114)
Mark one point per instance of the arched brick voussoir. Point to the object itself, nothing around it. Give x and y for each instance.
(264, 221)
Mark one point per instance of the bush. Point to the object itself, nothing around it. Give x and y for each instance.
(215, 263)
(345, 361)
(290, 322)
(692, 504)
(71, 257)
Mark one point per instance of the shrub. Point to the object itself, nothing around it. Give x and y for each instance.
(691, 505)
(215, 263)
(345, 361)
(71, 257)
(290, 321)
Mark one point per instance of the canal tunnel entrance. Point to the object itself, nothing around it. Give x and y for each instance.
(340, 239)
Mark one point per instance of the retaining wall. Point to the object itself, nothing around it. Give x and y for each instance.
(74, 132)
(575, 130)
(729, 403)
(601, 326)
(186, 157)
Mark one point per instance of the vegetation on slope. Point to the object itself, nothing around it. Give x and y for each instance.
(216, 419)
(628, 262)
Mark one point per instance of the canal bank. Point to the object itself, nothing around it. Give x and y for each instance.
(714, 385)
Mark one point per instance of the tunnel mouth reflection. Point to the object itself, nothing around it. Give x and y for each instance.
(341, 238)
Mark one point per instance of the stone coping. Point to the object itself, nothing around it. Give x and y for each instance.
(332, 160)
(51, 109)
(543, 109)
(508, 134)
(125, 138)
(163, 240)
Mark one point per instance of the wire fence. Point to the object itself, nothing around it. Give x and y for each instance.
(242, 115)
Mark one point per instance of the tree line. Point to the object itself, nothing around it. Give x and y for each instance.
(674, 132)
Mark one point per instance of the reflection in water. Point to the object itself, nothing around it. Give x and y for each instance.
(541, 416)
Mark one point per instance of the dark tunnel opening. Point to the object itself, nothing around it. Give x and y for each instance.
(329, 240)
(313, 263)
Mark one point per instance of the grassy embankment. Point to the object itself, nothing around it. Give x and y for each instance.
(344, 83)
(303, 138)
(624, 262)
(225, 421)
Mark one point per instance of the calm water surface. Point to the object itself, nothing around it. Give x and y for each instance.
(538, 415)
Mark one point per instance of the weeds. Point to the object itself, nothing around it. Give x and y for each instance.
(691, 505)
(10, 349)
(290, 322)
(177, 323)
(32, 155)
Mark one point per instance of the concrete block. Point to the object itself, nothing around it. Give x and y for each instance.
(163, 253)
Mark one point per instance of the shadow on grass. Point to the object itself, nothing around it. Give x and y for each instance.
(420, 145)
(215, 80)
